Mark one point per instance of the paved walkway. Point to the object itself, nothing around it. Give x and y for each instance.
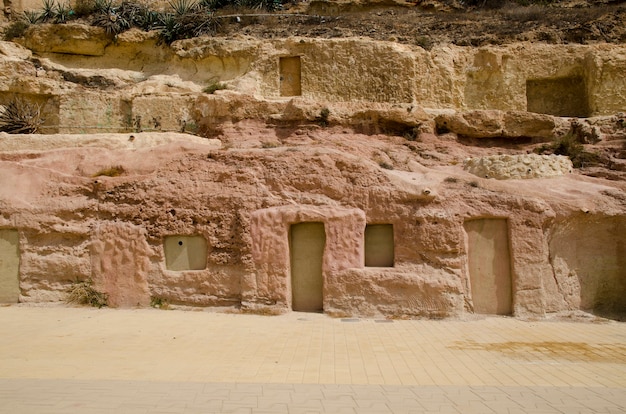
(80, 360)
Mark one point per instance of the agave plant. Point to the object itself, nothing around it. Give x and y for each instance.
(31, 17)
(103, 6)
(133, 13)
(49, 10)
(149, 20)
(169, 28)
(112, 21)
(63, 13)
(20, 117)
(183, 7)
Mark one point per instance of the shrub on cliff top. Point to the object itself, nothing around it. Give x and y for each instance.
(16, 29)
(188, 18)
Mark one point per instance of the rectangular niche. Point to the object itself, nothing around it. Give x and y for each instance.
(9, 266)
(185, 253)
(306, 248)
(290, 76)
(559, 96)
(489, 265)
(379, 245)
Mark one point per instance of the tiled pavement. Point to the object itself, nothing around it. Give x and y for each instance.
(78, 360)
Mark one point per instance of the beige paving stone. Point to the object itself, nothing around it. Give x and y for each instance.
(144, 360)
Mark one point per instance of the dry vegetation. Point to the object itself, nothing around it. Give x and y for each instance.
(83, 293)
(463, 26)
(20, 117)
(424, 22)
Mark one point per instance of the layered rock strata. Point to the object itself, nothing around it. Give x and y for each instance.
(371, 154)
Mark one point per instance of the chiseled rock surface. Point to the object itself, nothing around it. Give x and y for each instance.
(242, 198)
(563, 80)
(505, 167)
(500, 124)
(71, 38)
(384, 147)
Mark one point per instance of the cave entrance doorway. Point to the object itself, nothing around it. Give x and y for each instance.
(290, 76)
(9, 266)
(489, 262)
(306, 246)
(559, 97)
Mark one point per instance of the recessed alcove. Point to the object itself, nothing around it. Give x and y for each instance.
(489, 263)
(290, 68)
(9, 266)
(379, 245)
(565, 96)
(588, 257)
(306, 246)
(185, 252)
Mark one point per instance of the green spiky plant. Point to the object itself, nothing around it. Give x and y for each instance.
(63, 13)
(112, 21)
(31, 17)
(103, 6)
(569, 146)
(169, 28)
(49, 10)
(133, 13)
(149, 20)
(183, 7)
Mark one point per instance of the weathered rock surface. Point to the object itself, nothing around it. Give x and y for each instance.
(498, 124)
(385, 147)
(74, 226)
(504, 167)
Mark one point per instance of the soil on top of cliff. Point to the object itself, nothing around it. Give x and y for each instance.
(424, 23)
(429, 22)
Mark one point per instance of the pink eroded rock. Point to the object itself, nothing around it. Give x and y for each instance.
(270, 247)
(120, 264)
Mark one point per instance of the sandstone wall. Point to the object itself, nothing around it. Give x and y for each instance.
(561, 80)
(76, 223)
(504, 167)
(73, 226)
(344, 70)
(581, 247)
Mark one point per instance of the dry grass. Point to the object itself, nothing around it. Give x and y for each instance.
(113, 171)
(83, 293)
(20, 117)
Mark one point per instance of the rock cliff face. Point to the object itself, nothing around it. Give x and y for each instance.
(561, 80)
(373, 150)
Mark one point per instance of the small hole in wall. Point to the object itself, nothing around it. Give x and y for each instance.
(180, 243)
